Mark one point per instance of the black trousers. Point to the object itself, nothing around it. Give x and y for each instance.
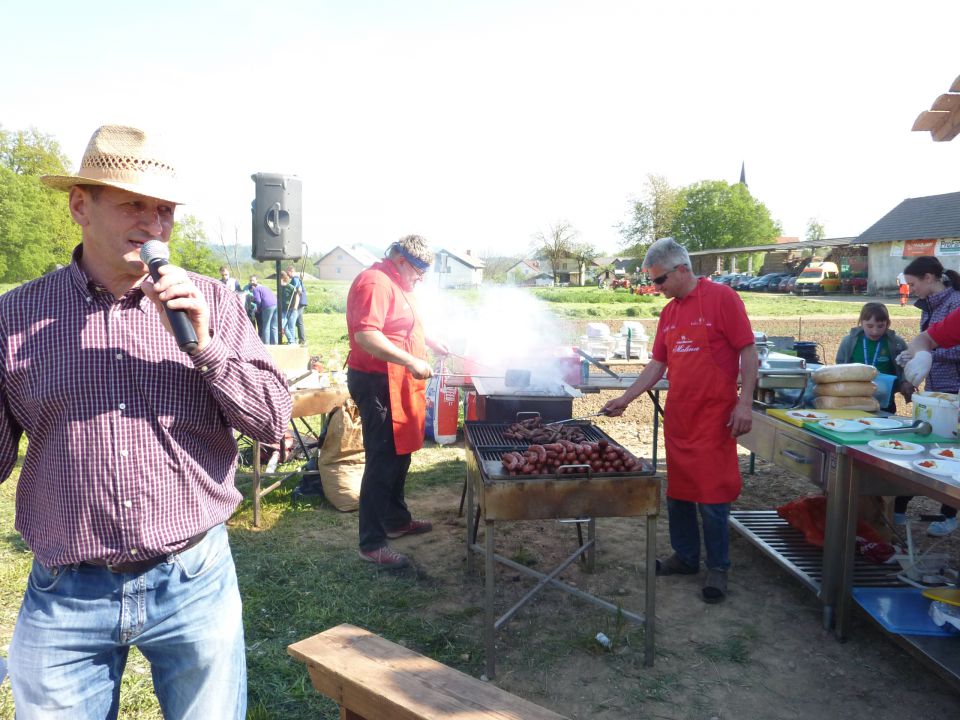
(382, 506)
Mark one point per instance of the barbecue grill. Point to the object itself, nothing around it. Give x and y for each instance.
(497, 402)
(583, 495)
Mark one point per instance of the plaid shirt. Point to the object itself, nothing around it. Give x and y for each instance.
(945, 373)
(130, 443)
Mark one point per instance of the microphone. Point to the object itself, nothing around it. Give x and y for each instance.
(155, 255)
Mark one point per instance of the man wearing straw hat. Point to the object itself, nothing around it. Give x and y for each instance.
(129, 470)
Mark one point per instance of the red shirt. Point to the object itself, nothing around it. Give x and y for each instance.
(726, 318)
(376, 301)
(946, 333)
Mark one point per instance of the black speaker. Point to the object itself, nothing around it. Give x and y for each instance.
(277, 214)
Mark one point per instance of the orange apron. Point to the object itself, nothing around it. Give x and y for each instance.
(702, 461)
(408, 398)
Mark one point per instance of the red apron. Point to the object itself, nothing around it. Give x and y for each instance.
(408, 399)
(702, 461)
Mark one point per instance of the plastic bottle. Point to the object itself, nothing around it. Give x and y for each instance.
(604, 640)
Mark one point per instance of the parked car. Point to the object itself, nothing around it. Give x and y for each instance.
(786, 283)
(773, 283)
(820, 277)
(742, 282)
(760, 283)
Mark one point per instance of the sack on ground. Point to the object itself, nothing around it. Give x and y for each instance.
(341, 459)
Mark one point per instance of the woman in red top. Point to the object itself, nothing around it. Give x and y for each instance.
(386, 375)
(704, 338)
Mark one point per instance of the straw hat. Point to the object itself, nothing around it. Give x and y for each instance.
(123, 157)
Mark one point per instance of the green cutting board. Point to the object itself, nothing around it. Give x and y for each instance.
(865, 436)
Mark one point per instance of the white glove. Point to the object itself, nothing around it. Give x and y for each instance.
(916, 370)
(904, 357)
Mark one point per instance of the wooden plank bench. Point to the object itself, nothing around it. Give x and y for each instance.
(371, 678)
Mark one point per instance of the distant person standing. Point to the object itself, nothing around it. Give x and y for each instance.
(297, 282)
(904, 289)
(289, 296)
(265, 307)
(230, 283)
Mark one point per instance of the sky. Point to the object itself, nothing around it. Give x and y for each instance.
(480, 124)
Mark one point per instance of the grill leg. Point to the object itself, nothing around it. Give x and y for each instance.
(489, 618)
(463, 496)
(591, 537)
(650, 591)
(469, 523)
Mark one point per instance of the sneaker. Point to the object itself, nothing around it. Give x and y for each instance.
(899, 518)
(385, 557)
(715, 586)
(943, 527)
(414, 527)
(673, 565)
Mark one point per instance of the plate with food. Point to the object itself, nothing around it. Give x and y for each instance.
(938, 466)
(946, 453)
(807, 415)
(896, 447)
(844, 426)
(878, 423)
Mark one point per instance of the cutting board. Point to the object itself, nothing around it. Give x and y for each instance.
(865, 436)
(781, 414)
(904, 611)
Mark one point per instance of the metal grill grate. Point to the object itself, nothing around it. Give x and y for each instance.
(786, 545)
(491, 434)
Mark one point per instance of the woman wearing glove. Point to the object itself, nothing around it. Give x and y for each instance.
(939, 293)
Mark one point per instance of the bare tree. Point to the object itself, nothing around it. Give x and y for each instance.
(652, 216)
(555, 245)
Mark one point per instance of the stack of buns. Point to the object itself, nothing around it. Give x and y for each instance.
(847, 387)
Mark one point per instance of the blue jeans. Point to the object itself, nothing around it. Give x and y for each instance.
(78, 622)
(267, 324)
(685, 532)
(289, 327)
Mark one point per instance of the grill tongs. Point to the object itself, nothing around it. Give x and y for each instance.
(919, 427)
(584, 417)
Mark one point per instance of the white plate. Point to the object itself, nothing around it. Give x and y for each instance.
(896, 447)
(807, 415)
(844, 426)
(954, 456)
(879, 423)
(937, 467)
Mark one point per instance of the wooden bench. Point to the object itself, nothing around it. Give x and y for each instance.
(371, 678)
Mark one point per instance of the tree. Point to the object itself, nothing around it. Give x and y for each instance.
(584, 253)
(653, 216)
(36, 232)
(714, 214)
(555, 245)
(815, 232)
(189, 248)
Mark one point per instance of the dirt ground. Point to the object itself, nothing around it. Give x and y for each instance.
(761, 654)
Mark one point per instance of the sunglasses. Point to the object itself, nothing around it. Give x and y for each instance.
(663, 278)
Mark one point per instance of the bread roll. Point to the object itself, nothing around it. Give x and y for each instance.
(850, 372)
(828, 402)
(845, 389)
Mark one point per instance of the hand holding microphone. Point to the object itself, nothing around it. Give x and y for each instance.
(155, 255)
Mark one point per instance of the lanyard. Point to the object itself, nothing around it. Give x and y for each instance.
(876, 352)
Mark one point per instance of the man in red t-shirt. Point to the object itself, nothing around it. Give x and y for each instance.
(386, 373)
(704, 339)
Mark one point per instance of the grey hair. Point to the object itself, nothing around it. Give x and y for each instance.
(666, 252)
(413, 244)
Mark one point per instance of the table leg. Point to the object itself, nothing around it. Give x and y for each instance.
(489, 618)
(650, 592)
(468, 521)
(256, 483)
(592, 550)
(847, 554)
(839, 503)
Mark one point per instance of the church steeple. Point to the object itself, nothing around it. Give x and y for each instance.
(743, 173)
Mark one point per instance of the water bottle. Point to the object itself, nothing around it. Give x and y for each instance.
(604, 640)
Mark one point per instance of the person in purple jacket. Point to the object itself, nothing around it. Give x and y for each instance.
(265, 304)
(128, 475)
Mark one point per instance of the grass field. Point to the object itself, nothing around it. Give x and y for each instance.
(290, 593)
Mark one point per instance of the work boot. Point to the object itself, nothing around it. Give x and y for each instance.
(715, 586)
